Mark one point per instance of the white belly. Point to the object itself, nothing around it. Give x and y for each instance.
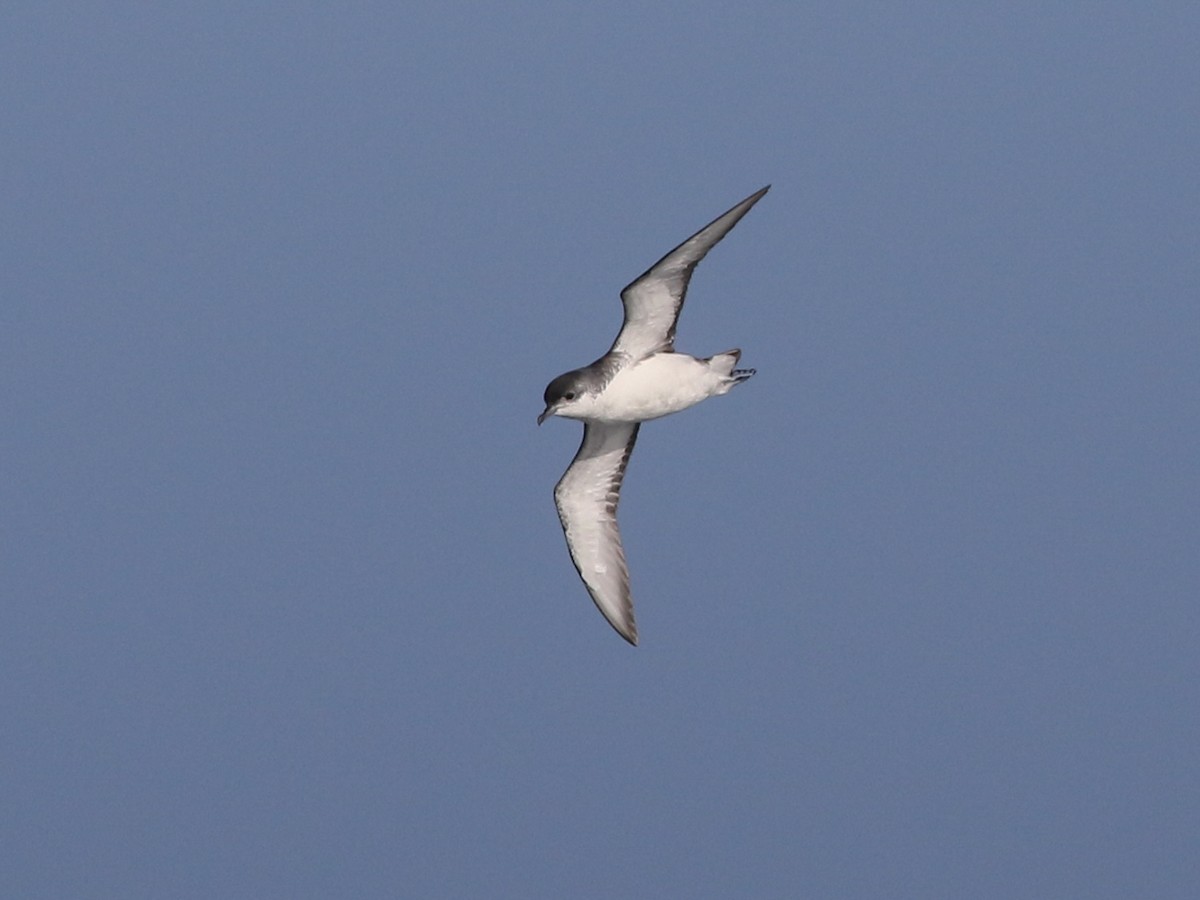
(663, 384)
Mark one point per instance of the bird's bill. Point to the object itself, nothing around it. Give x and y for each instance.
(546, 413)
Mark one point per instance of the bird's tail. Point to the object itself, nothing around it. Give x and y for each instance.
(723, 364)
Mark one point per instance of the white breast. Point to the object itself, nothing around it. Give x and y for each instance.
(658, 386)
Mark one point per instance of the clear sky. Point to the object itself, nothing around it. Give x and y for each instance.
(286, 608)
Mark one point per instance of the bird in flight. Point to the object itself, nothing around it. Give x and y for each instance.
(641, 377)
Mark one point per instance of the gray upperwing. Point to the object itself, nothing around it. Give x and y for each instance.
(586, 497)
(653, 301)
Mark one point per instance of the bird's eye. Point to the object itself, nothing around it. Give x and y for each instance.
(569, 395)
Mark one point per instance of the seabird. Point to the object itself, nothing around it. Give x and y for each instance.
(641, 377)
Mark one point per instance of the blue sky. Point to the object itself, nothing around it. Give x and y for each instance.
(287, 610)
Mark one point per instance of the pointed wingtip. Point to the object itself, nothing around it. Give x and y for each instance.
(626, 628)
(745, 206)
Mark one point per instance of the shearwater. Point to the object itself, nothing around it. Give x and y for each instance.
(641, 377)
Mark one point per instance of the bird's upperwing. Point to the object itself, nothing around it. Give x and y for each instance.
(586, 497)
(653, 301)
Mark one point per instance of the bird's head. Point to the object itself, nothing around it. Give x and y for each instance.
(565, 396)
